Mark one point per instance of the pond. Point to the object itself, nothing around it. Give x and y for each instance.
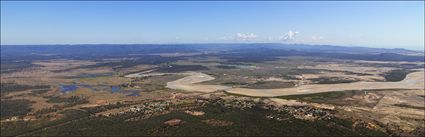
(133, 93)
(115, 89)
(68, 88)
(112, 89)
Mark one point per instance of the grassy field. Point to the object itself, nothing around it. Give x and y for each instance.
(349, 98)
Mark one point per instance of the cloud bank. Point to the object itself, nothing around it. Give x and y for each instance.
(290, 35)
(245, 36)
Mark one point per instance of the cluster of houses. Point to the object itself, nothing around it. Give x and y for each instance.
(304, 112)
(151, 107)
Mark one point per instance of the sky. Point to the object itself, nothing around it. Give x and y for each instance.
(381, 24)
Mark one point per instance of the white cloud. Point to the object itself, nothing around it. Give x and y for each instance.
(288, 36)
(245, 36)
(317, 38)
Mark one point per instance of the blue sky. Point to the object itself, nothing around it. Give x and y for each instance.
(371, 24)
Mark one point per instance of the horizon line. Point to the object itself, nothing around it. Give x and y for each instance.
(292, 44)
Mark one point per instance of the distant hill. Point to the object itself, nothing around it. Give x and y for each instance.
(229, 50)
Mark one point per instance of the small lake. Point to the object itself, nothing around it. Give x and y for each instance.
(112, 89)
(115, 89)
(68, 88)
(133, 93)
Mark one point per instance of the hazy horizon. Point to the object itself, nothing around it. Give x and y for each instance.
(159, 44)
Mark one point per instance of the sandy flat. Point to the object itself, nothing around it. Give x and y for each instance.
(189, 83)
(413, 80)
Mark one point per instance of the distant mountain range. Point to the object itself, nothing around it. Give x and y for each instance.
(88, 51)
(215, 46)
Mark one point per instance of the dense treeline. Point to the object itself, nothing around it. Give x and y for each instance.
(14, 107)
(332, 80)
(20, 127)
(12, 87)
(36, 92)
(269, 85)
(8, 66)
(250, 122)
(97, 109)
(396, 75)
(226, 67)
(180, 68)
(266, 54)
(68, 101)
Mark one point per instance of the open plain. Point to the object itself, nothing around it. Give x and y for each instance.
(189, 92)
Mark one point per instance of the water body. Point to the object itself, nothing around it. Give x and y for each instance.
(68, 88)
(115, 89)
(74, 87)
(133, 93)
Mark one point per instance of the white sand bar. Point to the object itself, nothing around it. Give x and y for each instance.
(413, 80)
